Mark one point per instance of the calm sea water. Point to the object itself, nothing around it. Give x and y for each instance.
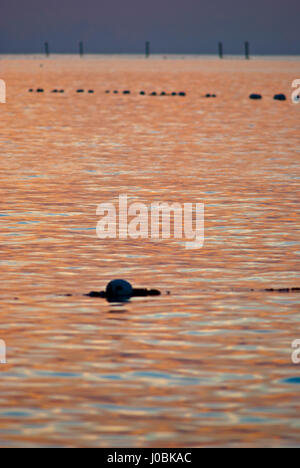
(209, 364)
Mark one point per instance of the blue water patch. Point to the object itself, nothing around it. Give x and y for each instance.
(57, 374)
(15, 414)
(292, 380)
(29, 222)
(252, 420)
(112, 377)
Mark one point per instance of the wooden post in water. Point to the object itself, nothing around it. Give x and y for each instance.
(220, 50)
(81, 50)
(147, 49)
(47, 49)
(247, 50)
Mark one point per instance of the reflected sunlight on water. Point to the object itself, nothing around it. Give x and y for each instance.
(211, 363)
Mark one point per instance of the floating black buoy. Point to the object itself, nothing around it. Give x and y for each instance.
(54, 91)
(40, 90)
(142, 93)
(126, 92)
(182, 94)
(62, 91)
(116, 92)
(208, 95)
(174, 94)
(30, 90)
(154, 93)
(121, 291)
(280, 97)
(80, 90)
(163, 93)
(91, 91)
(213, 95)
(255, 96)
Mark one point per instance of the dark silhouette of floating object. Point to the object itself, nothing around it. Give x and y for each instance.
(213, 95)
(283, 290)
(116, 92)
(61, 91)
(30, 90)
(91, 91)
(121, 291)
(174, 94)
(163, 93)
(126, 92)
(107, 91)
(153, 94)
(207, 95)
(182, 94)
(255, 96)
(142, 93)
(40, 90)
(279, 97)
(54, 91)
(80, 91)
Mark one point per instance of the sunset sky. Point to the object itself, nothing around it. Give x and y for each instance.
(118, 26)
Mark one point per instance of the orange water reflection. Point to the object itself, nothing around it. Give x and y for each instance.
(207, 365)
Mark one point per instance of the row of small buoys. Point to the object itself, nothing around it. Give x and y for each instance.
(163, 93)
(39, 90)
(59, 91)
(81, 91)
(254, 96)
(277, 97)
(143, 93)
(126, 91)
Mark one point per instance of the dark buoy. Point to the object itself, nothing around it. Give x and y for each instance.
(61, 91)
(142, 93)
(207, 95)
(40, 90)
(91, 91)
(174, 94)
(182, 94)
(121, 291)
(213, 95)
(80, 91)
(116, 92)
(119, 288)
(126, 92)
(154, 93)
(163, 93)
(255, 96)
(280, 97)
(30, 90)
